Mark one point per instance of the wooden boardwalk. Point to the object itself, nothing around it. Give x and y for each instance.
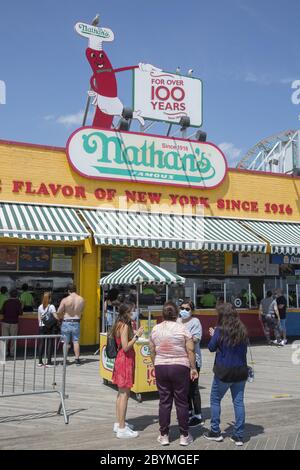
(272, 411)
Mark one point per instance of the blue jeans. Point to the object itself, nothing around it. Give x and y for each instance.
(218, 391)
(71, 331)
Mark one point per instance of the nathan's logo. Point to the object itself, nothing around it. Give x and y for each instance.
(87, 30)
(99, 154)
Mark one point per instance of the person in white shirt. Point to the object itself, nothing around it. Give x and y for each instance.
(46, 345)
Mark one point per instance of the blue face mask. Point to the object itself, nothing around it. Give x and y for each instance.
(185, 314)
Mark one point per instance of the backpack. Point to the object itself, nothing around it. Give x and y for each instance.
(111, 347)
(48, 319)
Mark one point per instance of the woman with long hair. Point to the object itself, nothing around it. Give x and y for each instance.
(229, 340)
(173, 356)
(123, 373)
(45, 308)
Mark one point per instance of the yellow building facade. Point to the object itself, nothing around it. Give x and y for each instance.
(41, 176)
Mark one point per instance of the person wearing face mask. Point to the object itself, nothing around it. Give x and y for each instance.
(193, 325)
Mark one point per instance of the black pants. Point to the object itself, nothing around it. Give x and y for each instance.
(194, 396)
(49, 346)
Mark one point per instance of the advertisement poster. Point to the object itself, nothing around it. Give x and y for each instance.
(60, 261)
(8, 258)
(189, 262)
(34, 258)
(164, 96)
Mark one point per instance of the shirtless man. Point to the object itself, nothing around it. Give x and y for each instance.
(70, 311)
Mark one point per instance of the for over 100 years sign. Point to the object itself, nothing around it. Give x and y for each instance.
(127, 156)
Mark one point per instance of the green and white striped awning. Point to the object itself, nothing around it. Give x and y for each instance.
(145, 230)
(141, 272)
(36, 222)
(283, 237)
(230, 235)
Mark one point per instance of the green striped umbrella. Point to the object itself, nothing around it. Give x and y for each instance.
(140, 272)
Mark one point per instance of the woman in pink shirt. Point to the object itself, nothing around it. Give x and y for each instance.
(172, 353)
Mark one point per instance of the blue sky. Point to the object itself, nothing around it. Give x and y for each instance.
(246, 52)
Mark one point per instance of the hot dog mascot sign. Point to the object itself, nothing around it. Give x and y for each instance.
(103, 82)
(101, 151)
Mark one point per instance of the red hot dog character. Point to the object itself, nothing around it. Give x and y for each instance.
(103, 82)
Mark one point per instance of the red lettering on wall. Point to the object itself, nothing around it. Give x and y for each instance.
(80, 192)
(29, 189)
(54, 188)
(17, 186)
(174, 198)
(100, 194)
(67, 191)
(43, 190)
(110, 194)
(154, 197)
(220, 204)
(131, 196)
(142, 197)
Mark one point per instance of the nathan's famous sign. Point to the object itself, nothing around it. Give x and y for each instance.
(110, 154)
(104, 153)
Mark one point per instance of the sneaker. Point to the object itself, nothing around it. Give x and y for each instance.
(285, 341)
(282, 343)
(214, 436)
(237, 440)
(195, 421)
(126, 433)
(186, 440)
(77, 362)
(163, 440)
(116, 426)
(49, 365)
(40, 364)
(278, 343)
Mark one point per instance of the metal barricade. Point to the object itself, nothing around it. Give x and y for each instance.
(21, 373)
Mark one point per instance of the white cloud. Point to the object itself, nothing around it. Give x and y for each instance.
(266, 79)
(68, 120)
(231, 152)
(49, 117)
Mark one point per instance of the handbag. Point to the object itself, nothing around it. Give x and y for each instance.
(48, 319)
(111, 347)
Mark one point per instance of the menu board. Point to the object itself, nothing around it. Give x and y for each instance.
(8, 258)
(189, 262)
(168, 260)
(61, 261)
(212, 262)
(115, 259)
(252, 264)
(33, 258)
(152, 256)
(201, 262)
